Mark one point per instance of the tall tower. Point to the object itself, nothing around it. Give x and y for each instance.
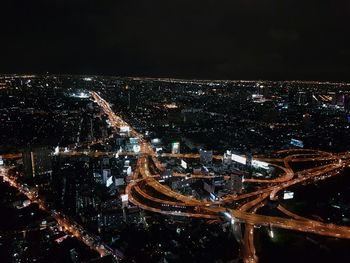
(347, 102)
(91, 129)
(129, 99)
(37, 162)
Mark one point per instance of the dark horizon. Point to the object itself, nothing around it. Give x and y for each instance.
(264, 40)
(49, 74)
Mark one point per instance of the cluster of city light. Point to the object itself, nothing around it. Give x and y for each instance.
(250, 201)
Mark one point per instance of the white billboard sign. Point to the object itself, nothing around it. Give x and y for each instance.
(183, 164)
(136, 148)
(288, 195)
(109, 181)
(260, 164)
(125, 198)
(239, 159)
(124, 129)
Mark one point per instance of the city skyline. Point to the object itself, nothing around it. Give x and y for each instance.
(197, 131)
(146, 170)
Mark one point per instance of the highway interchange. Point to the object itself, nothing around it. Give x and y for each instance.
(145, 191)
(176, 204)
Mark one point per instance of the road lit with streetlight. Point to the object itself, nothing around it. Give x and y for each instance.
(181, 205)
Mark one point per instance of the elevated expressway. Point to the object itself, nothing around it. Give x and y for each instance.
(148, 193)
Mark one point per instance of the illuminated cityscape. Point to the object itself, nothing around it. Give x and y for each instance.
(174, 131)
(154, 170)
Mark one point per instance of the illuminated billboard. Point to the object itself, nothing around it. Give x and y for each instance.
(183, 164)
(124, 129)
(125, 198)
(260, 164)
(57, 150)
(136, 148)
(155, 141)
(175, 147)
(109, 181)
(288, 195)
(297, 143)
(239, 159)
(60, 240)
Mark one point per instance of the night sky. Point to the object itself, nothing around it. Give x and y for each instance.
(218, 39)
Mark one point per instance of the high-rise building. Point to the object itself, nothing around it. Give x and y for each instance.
(302, 98)
(175, 148)
(37, 162)
(206, 156)
(235, 183)
(106, 173)
(347, 102)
